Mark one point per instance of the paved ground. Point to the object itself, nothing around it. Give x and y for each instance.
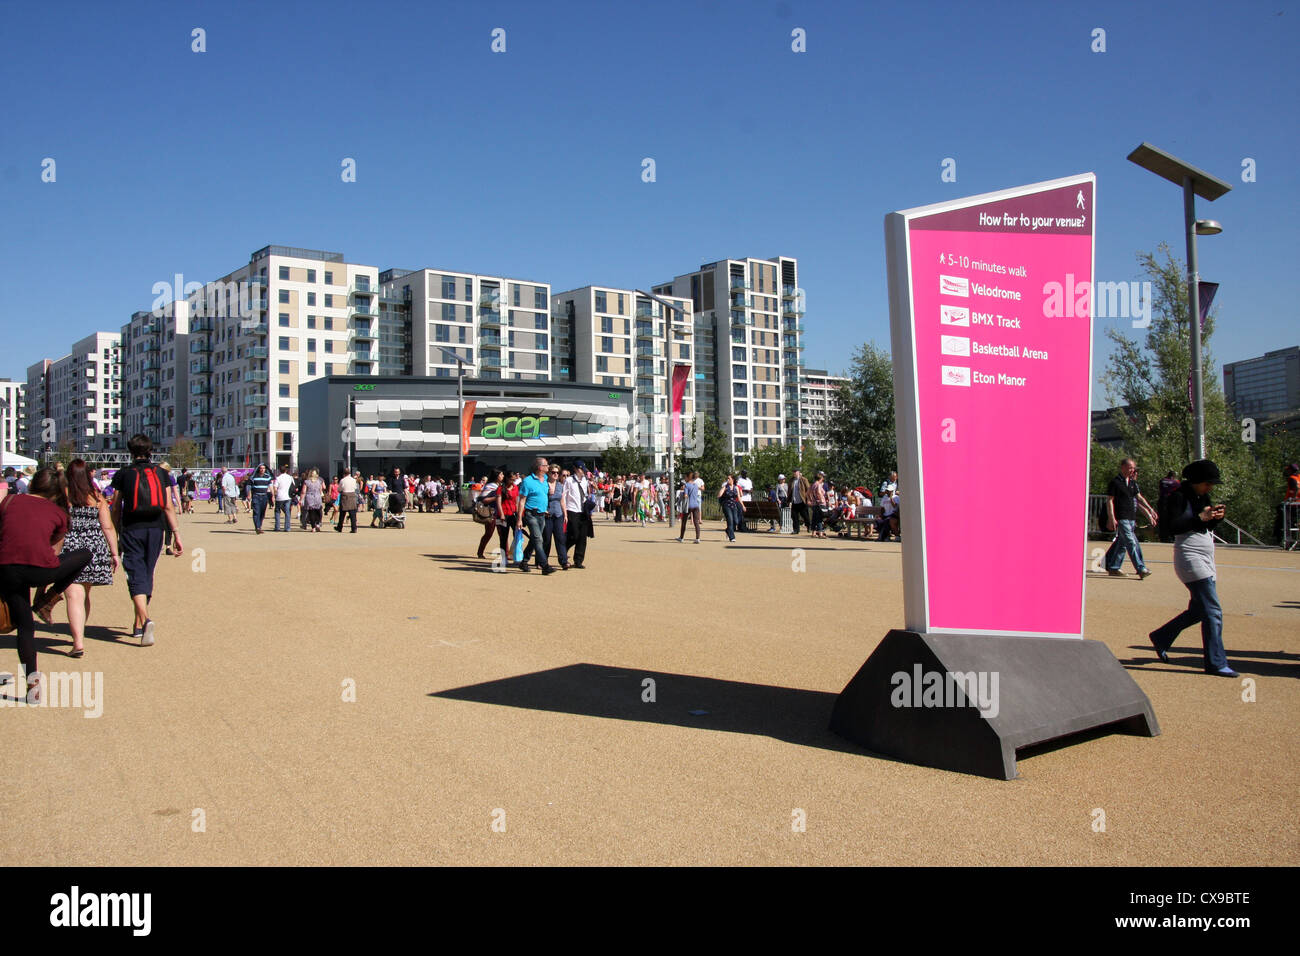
(479, 692)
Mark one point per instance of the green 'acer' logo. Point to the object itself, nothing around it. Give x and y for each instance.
(513, 426)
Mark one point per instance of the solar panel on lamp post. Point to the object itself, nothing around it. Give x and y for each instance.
(1195, 182)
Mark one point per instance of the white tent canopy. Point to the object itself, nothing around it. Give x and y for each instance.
(9, 459)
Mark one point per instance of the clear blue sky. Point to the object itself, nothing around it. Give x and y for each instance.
(528, 163)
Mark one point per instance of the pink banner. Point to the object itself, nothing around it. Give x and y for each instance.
(1001, 324)
(681, 376)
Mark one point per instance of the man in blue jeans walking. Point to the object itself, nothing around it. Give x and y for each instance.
(1122, 505)
(534, 500)
(260, 487)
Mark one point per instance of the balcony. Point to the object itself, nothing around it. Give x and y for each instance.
(200, 408)
(200, 367)
(152, 364)
(255, 423)
(360, 366)
(152, 345)
(792, 309)
(740, 319)
(788, 292)
(491, 361)
(255, 401)
(204, 324)
(149, 382)
(792, 361)
(793, 327)
(652, 349)
(652, 310)
(489, 341)
(253, 328)
(490, 301)
(364, 355)
(489, 320)
(363, 287)
(363, 330)
(152, 417)
(739, 283)
(648, 330)
(364, 311)
(200, 388)
(256, 352)
(200, 347)
(741, 302)
(255, 375)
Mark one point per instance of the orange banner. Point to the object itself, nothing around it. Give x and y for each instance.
(466, 417)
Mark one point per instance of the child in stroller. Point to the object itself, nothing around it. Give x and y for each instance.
(391, 512)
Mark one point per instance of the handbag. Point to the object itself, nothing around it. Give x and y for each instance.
(519, 547)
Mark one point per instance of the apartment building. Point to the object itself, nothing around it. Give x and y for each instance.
(155, 374)
(77, 398)
(748, 345)
(255, 335)
(13, 416)
(499, 327)
(620, 339)
(818, 403)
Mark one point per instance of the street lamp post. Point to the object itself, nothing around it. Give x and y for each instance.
(1195, 182)
(460, 417)
(672, 442)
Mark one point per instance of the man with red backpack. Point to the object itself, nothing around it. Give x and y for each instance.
(141, 509)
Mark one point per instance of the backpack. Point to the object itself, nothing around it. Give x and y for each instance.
(143, 494)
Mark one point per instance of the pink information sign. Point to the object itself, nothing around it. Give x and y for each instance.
(991, 319)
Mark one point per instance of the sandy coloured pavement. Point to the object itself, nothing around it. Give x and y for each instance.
(236, 718)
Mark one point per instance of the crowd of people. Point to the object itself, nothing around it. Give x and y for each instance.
(64, 531)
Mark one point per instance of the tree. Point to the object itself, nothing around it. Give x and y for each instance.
(624, 459)
(707, 451)
(765, 464)
(184, 453)
(861, 433)
(1150, 378)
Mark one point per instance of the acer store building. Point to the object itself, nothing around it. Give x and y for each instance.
(413, 423)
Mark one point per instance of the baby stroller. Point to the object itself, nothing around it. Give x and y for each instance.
(394, 511)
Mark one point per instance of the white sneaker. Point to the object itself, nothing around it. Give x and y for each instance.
(146, 639)
(680, 541)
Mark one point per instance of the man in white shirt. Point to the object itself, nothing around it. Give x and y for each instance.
(229, 496)
(890, 486)
(348, 501)
(574, 501)
(283, 485)
(746, 486)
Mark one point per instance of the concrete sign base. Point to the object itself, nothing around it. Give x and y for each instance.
(968, 703)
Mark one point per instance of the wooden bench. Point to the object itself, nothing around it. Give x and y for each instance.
(863, 525)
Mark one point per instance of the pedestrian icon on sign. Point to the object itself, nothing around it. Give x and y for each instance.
(1079, 202)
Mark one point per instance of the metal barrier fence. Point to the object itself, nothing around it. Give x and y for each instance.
(1291, 525)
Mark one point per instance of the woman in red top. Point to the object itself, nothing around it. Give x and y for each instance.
(32, 527)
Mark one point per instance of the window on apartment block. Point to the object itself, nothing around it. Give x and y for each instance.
(739, 389)
(684, 351)
(606, 344)
(311, 298)
(284, 320)
(539, 298)
(311, 368)
(311, 345)
(737, 353)
(739, 371)
(602, 363)
(448, 287)
(311, 321)
(622, 304)
(600, 302)
(329, 277)
(284, 272)
(311, 275)
(284, 414)
(284, 343)
(329, 345)
(539, 321)
(441, 333)
(284, 390)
